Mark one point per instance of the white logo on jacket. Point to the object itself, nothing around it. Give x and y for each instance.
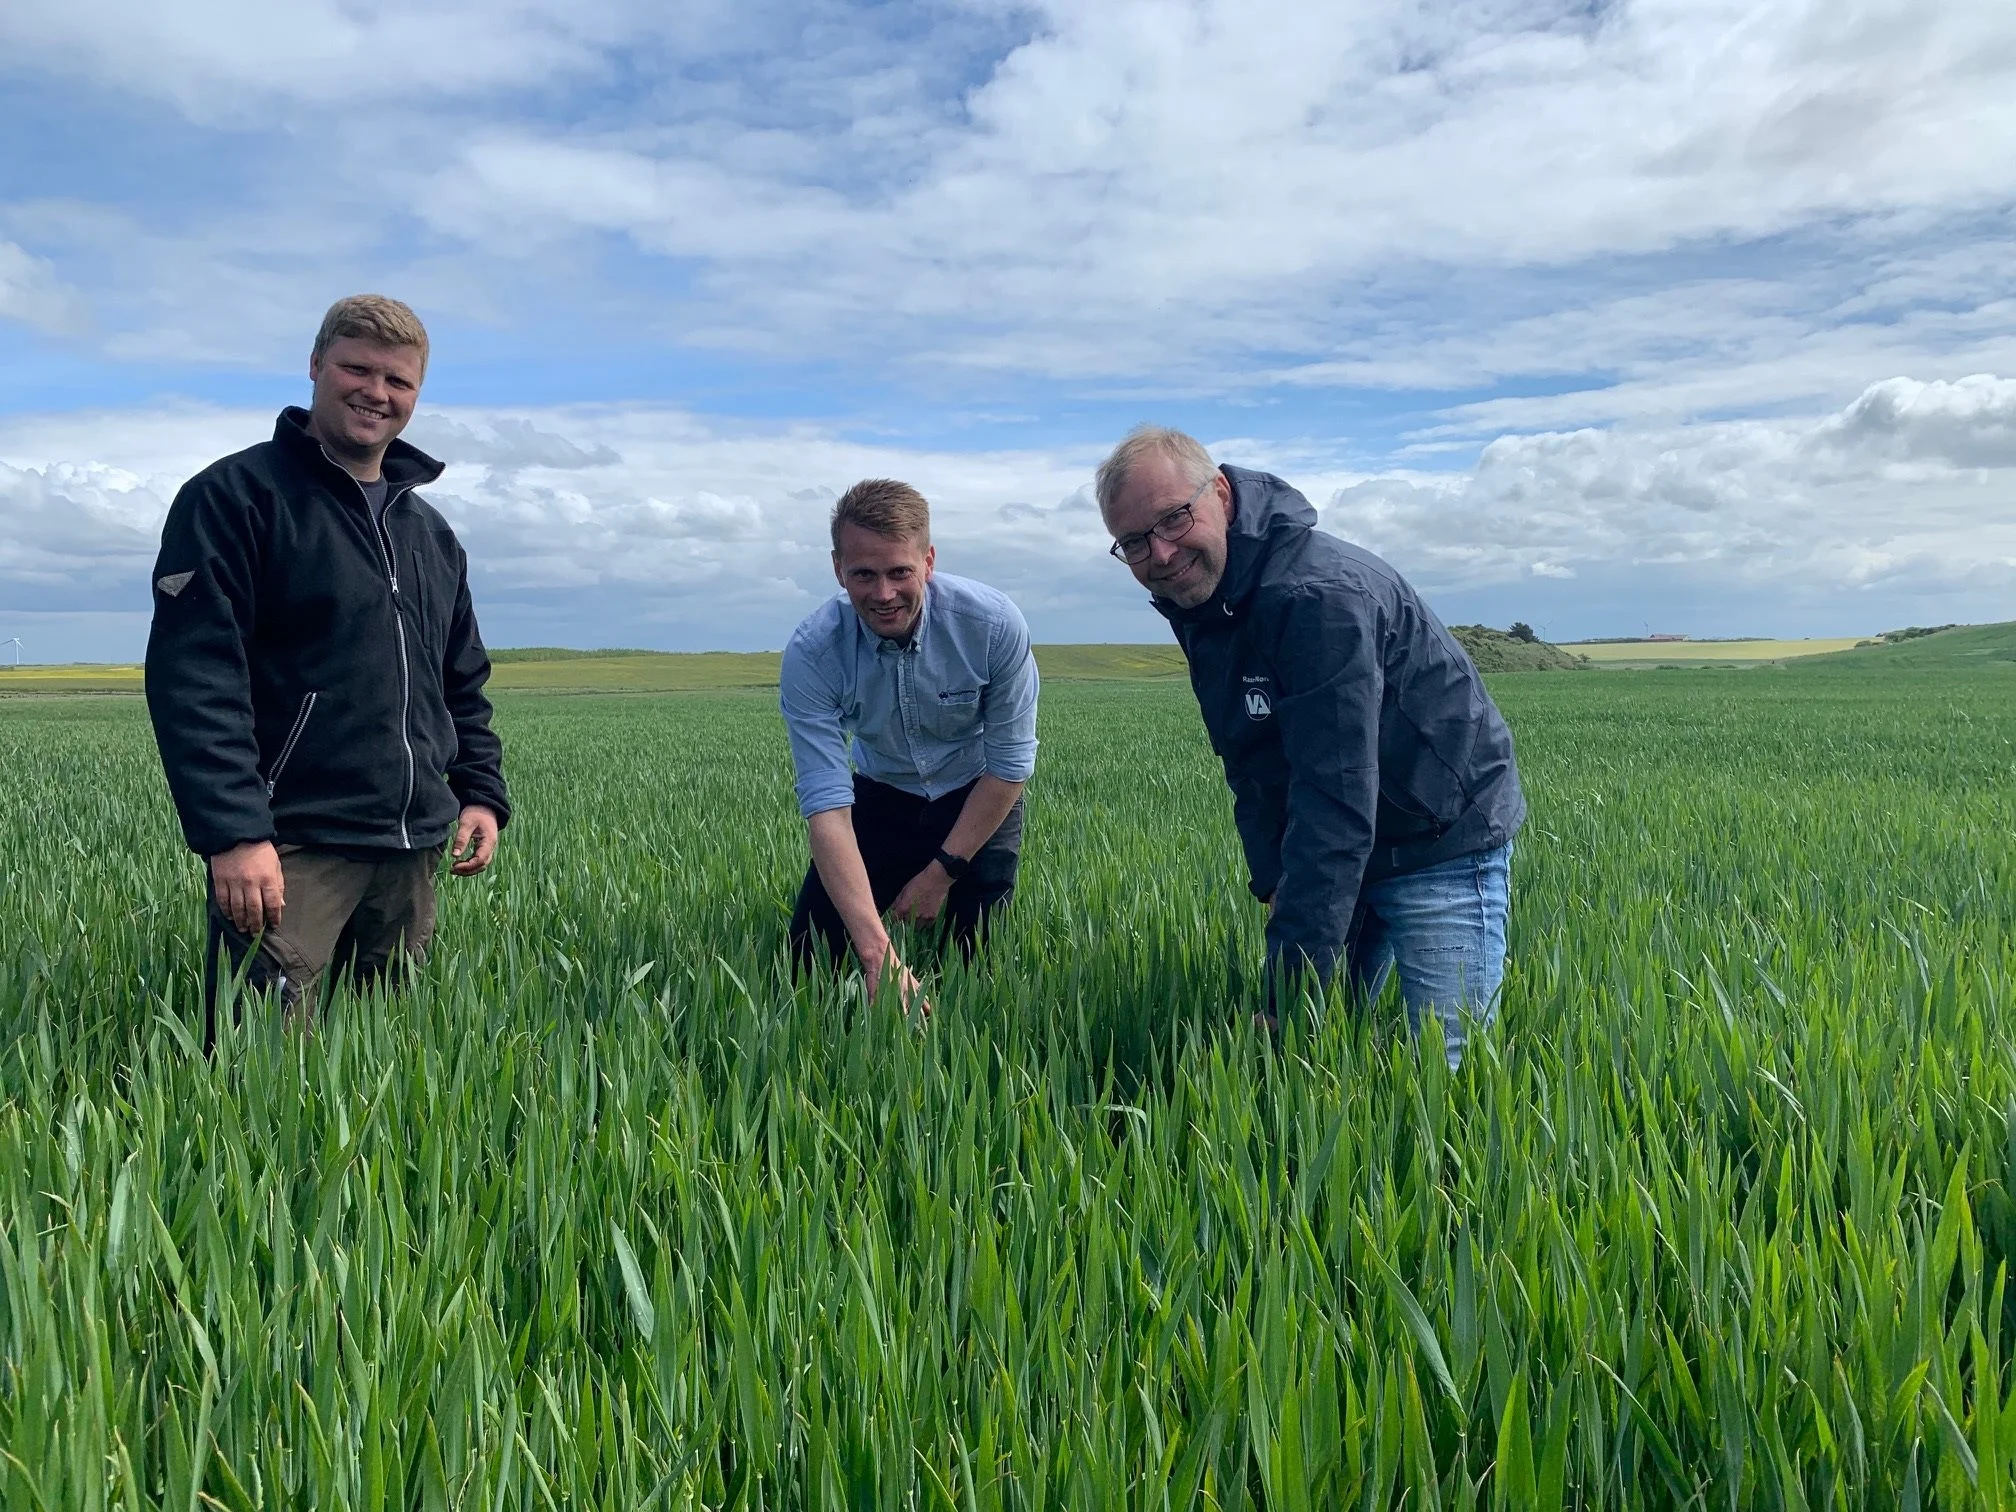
(1258, 706)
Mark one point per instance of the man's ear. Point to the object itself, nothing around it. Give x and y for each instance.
(930, 559)
(837, 577)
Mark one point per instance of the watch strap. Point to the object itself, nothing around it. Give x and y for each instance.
(955, 866)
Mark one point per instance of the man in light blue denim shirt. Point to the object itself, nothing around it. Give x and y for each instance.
(929, 677)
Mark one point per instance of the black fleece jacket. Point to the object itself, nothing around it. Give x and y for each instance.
(314, 674)
(1357, 737)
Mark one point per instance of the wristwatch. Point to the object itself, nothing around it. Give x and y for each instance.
(955, 866)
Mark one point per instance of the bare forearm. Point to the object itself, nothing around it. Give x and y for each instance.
(985, 807)
(837, 859)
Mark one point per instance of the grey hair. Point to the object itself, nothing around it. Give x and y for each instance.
(1141, 443)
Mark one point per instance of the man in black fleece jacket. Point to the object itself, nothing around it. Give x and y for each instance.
(1372, 777)
(315, 676)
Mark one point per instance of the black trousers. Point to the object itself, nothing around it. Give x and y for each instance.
(898, 834)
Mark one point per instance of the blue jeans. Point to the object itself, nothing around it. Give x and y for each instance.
(1443, 927)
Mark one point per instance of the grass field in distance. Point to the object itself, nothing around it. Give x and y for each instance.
(626, 671)
(632, 671)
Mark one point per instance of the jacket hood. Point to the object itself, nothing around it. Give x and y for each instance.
(405, 465)
(1265, 512)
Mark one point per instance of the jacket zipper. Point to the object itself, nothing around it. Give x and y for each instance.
(293, 739)
(383, 533)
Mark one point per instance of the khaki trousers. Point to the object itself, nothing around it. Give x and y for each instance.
(364, 919)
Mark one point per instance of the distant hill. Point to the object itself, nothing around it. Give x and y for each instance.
(1956, 647)
(1502, 651)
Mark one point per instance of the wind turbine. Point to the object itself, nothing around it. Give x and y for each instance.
(16, 644)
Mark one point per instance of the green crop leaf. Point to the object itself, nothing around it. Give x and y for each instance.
(1417, 1323)
(608, 1204)
(1514, 1484)
(642, 1313)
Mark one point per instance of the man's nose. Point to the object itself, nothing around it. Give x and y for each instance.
(1162, 552)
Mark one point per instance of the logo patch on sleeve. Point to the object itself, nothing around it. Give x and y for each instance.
(174, 583)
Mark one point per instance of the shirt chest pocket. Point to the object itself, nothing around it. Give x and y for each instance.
(952, 713)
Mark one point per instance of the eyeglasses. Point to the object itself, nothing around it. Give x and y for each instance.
(1172, 526)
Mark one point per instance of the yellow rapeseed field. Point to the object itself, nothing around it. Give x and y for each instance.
(1608, 653)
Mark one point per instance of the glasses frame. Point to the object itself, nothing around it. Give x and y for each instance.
(1185, 512)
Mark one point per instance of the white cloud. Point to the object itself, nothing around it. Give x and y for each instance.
(1911, 483)
(642, 524)
(1640, 259)
(1729, 346)
(1968, 424)
(223, 58)
(736, 516)
(74, 527)
(1219, 195)
(504, 444)
(31, 293)
(1145, 178)
(631, 515)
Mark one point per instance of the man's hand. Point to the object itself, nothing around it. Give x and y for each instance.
(837, 858)
(923, 896)
(909, 991)
(250, 887)
(476, 834)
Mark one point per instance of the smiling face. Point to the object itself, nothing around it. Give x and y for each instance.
(364, 394)
(884, 577)
(1185, 571)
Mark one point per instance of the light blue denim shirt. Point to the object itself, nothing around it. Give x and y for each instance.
(929, 716)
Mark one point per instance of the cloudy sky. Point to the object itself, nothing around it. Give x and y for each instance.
(1610, 315)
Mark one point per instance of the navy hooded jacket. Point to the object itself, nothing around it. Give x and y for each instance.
(1357, 737)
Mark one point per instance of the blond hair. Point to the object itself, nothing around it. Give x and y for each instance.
(1141, 443)
(885, 506)
(372, 317)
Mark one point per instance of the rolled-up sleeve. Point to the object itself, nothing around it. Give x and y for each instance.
(811, 707)
(1009, 705)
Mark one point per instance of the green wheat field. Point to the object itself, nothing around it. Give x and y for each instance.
(604, 1212)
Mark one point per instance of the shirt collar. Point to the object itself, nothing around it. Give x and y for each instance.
(886, 647)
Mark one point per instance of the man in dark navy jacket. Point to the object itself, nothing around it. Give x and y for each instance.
(1372, 777)
(315, 676)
